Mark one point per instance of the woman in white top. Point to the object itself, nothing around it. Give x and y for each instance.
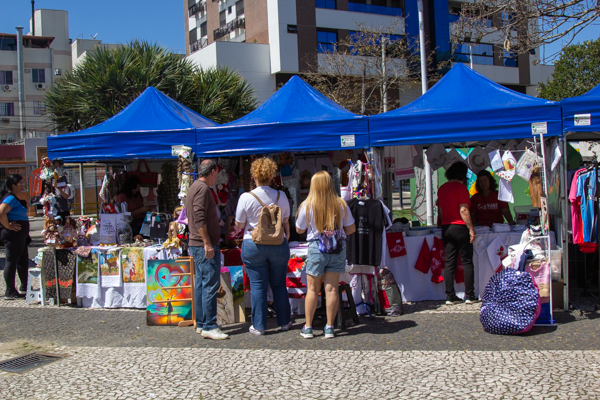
(265, 264)
(328, 220)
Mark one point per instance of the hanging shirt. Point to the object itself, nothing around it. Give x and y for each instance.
(586, 190)
(487, 210)
(364, 246)
(576, 220)
(450, 196)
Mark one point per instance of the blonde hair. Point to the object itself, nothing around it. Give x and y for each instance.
(325, 204)
(263, 170)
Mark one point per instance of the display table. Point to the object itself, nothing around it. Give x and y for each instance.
(417, 286)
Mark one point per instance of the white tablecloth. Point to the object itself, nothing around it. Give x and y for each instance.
(417, 286)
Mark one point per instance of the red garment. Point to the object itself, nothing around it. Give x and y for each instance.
(133, 203)
(575, 200)
(424, 260)
(459, 273)
(450, 196)
(395, 242)
(383, 299)
(246, 280)
(490, 213)
(438, 260)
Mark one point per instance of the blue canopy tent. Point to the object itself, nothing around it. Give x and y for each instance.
(296, 118)
(464, 106)
(581, 115)
(145, 129)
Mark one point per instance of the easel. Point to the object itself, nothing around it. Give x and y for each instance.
(183, 260)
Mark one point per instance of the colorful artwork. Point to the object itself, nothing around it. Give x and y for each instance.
(132, 263)
(166, 302)
(109, 263)
(225, 313)
(237, 281)
(87, 269)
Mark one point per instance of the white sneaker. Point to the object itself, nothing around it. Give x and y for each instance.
(199, 330)
(256, 331)
(286, 327)
(215, 334)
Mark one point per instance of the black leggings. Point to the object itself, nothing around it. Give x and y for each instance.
(458, 241)
(17, 255)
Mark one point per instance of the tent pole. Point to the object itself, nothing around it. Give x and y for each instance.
(81, 194)
(565, 226)
(428, 182)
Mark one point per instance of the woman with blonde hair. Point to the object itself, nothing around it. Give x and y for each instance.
(266, 264)
(328, 220)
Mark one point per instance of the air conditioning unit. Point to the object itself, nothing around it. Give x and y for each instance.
(58, 72)
(40, 86)
(5, 120)
(7, 88)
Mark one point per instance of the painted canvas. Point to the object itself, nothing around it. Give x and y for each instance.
(166, 305)
(225, 314)
(237, 281)
(132, 263)
(87, 268)
(110, 271)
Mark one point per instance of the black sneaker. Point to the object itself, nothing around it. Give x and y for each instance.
(20, 295)
(472, 300)
(454, 299)
(9, 295)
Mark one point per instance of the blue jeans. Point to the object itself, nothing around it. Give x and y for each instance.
(267, 265)
(208, 281)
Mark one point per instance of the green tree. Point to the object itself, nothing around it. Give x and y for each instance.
(575, 73)
(109, 79)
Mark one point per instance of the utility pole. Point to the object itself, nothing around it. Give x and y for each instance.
(428, 183)
(383, 75)
(20, 76)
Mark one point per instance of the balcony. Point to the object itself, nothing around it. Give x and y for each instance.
(197, 8)
(198, 44)
(373, 9)
(238, 23)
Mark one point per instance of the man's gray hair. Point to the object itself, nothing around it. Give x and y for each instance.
(206, 167)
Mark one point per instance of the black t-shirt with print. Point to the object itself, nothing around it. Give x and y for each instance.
(364, 246)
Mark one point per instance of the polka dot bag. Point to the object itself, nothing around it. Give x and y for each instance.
(510, 303)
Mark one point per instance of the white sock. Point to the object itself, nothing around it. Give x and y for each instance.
(328, 327)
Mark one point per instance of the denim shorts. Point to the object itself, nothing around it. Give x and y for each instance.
(318, 263)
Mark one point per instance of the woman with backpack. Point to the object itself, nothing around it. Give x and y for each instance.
(328, 220)
(264, 214)
(14, 232)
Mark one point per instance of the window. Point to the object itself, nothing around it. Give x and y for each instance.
(381, 7)
(6, 78)
(239, 8)
(7, 109)
(38, 107)
(326, 4)
(38, 75)
(193, 35)
(326, 41)
(509, 59)
(229, 10)
(222, 18)
(292, 28)
(203, 29)
(9, 44)
(482, 54)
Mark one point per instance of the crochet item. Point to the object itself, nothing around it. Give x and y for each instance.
(69, 233)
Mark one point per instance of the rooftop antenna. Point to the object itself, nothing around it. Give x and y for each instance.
(94, 37)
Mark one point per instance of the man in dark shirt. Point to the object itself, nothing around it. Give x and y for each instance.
(62, 191)
(205, 232)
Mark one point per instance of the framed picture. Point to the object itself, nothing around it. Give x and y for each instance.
(170, 293)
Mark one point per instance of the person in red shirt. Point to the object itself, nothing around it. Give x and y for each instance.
(457, 232)
(485, 208)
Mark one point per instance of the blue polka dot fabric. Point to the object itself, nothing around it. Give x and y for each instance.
(510, 303)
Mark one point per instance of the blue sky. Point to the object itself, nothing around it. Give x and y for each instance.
(160, 21)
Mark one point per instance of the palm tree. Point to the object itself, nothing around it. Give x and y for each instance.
(109, 79)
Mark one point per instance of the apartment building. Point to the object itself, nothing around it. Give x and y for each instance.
(267, 41)
(46, 56)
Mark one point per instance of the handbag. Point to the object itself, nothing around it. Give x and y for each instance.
(148, 178)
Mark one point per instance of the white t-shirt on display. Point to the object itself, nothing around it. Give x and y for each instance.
(248, 208)
(312, 232)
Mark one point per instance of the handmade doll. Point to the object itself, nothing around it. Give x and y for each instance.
(69, 233)
(222, 186)
(84, 224)
(173, 241)
(50, 233)
(184, 171)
